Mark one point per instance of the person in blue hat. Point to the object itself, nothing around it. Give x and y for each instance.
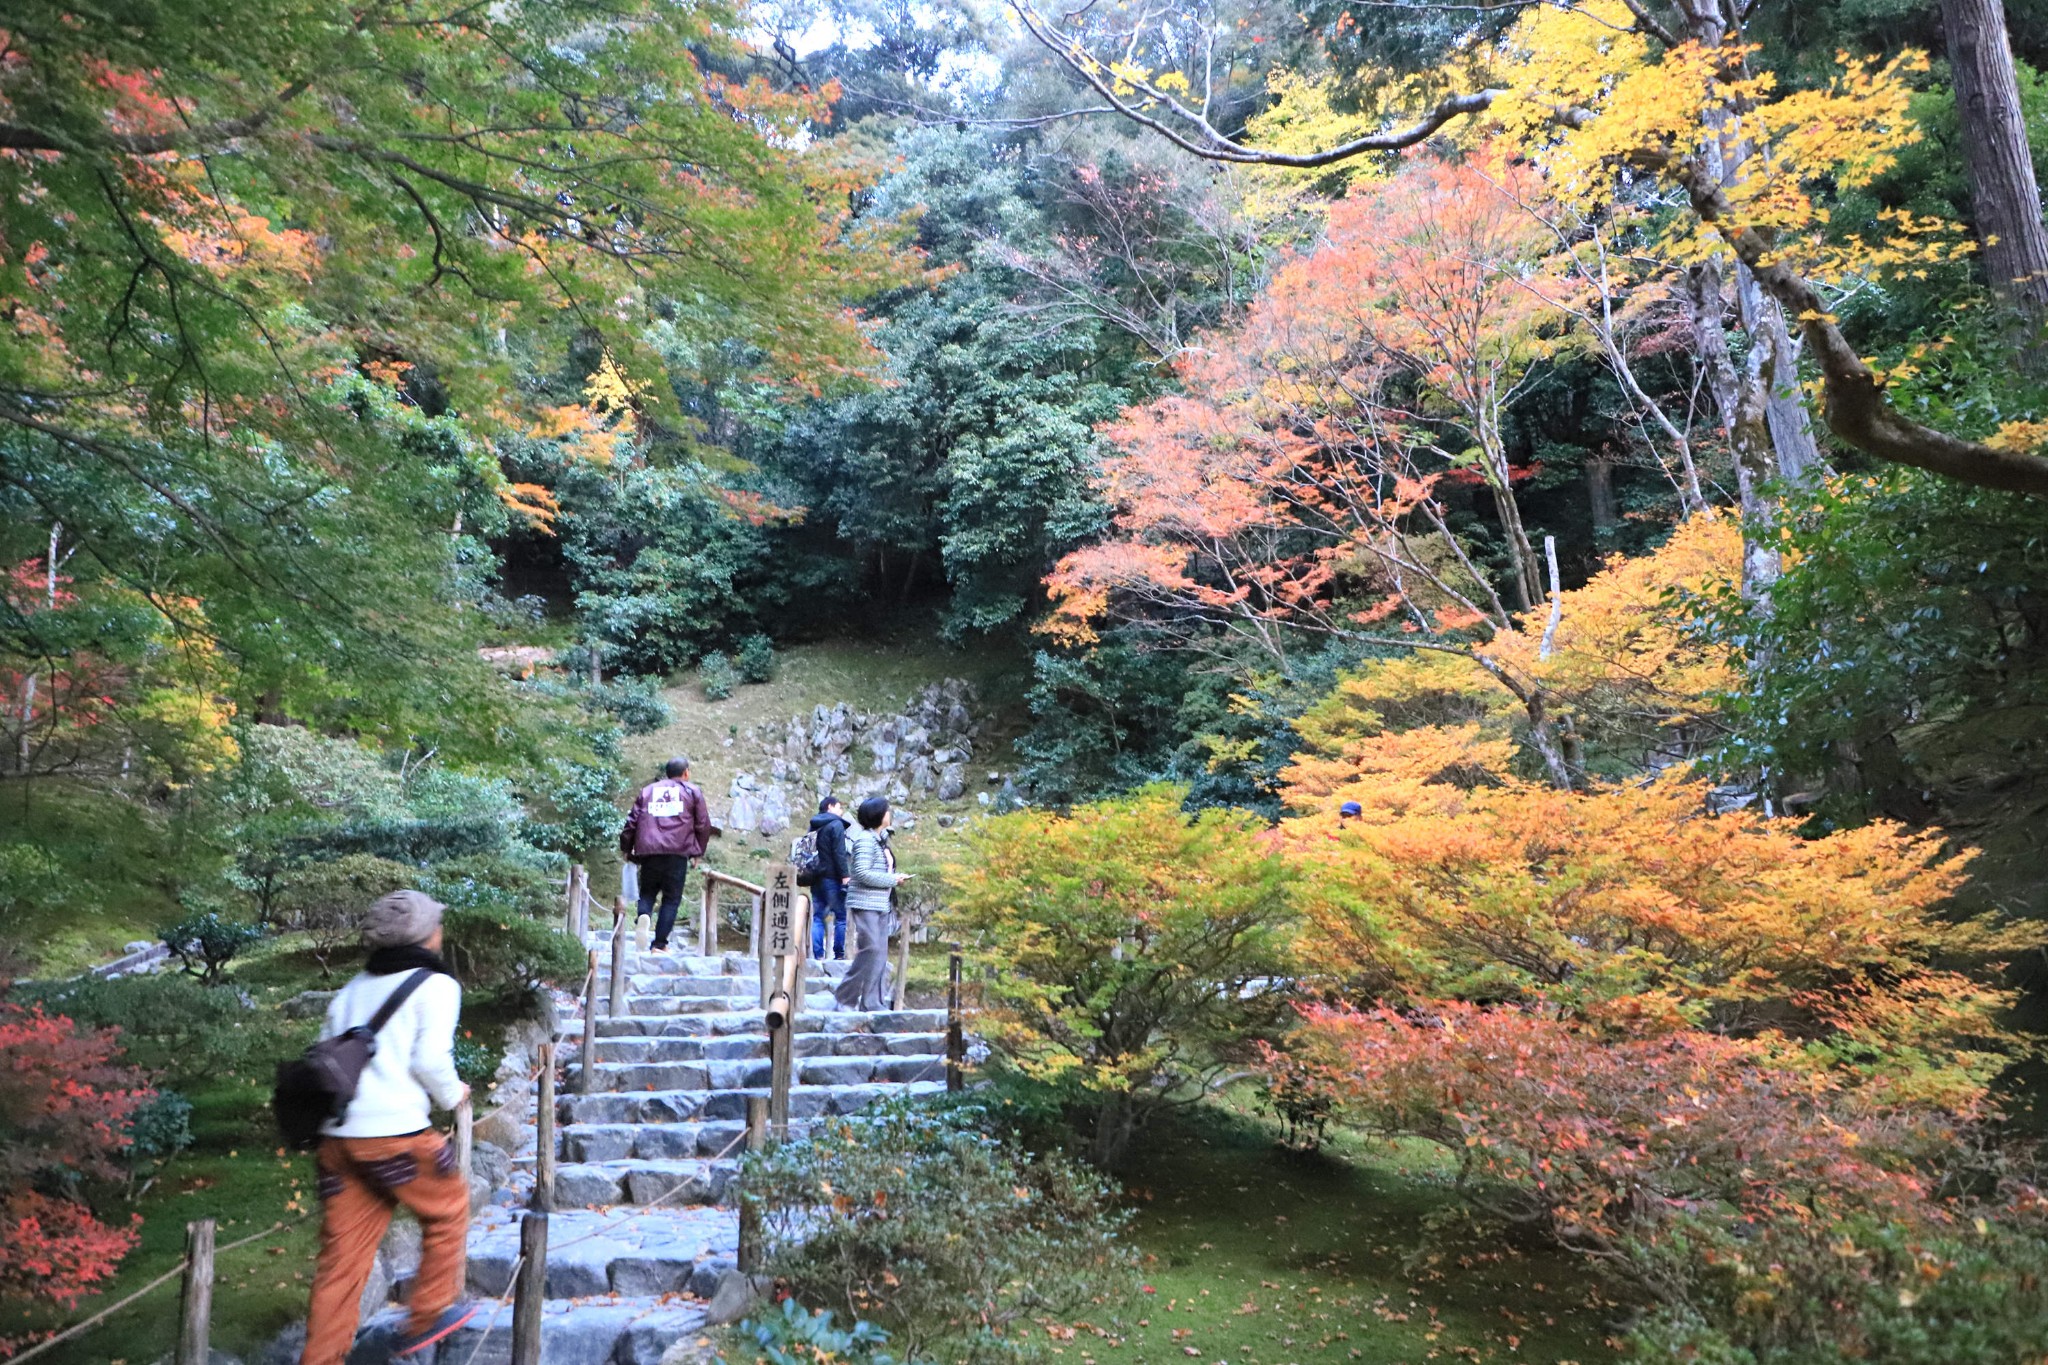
(1349, 811)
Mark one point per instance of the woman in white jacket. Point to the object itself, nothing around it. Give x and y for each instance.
(871, 886)
(381, 1154)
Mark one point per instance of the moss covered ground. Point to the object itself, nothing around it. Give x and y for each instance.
(1259, 1256)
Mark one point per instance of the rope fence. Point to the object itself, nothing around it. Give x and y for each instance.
(184, 1263)
(527, 1288)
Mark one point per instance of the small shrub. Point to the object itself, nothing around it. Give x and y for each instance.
(757, 659)
(476, 1061)
(159, 1129)
(171, 1026)
(790, 1334)
(206, 942)
(575, 814)
(405, 841)
(717, 676)
(1302, 1095)
(502, 883)
(1969, 1295)
(867, 1216)
(634, 702)
(326, 901)
(506, 958)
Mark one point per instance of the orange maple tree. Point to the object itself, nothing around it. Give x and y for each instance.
(65, 1099)
(1299, 483)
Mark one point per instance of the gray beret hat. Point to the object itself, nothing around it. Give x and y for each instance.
(400, 918)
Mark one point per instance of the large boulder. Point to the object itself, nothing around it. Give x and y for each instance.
(490, 1170)
(307, 1005)
(733, 1299)
(953, 782)
(774, 811)
(742, 802)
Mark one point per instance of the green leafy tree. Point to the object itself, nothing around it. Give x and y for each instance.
(270, 274)
(1128, 941)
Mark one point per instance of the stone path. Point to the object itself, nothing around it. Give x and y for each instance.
(643, 1227)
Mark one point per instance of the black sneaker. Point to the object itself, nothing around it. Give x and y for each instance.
(445, 1326)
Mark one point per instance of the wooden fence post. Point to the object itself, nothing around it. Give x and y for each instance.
(956, 1037)
(618, 995)
(750, 1212)
(781, 1019)
(588, 1060)
(195, 1305)
(578, 919)
(544, 1134)
(465, 1137)
(707, 917)
(529, 1291)
(902, 965)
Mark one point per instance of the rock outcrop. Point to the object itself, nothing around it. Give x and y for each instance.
(921, 751)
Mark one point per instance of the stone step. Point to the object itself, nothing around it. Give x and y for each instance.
(710, 1004)
(670, 1182)
(602, 1142)
(694, 964)
(744, 1046)
(597, 1142)
(753, 1072)
(641, 978)
(611, 1330)
(669, 964)
(695, 987)
(717, 1025)
(730, 1105)
(632, 1252)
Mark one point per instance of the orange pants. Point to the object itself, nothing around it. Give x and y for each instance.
(362, 1181)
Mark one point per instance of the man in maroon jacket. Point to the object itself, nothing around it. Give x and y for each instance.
(669, 826)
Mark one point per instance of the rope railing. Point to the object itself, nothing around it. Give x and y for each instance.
(198, 1264)
(86, 1324)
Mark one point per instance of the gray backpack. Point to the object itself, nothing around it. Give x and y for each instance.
(317, 1086)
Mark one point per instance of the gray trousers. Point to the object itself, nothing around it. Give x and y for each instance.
(866, 983)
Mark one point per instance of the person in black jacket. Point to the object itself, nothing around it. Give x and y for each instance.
(828, 896)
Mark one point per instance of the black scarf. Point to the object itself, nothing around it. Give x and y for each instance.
(405, 957)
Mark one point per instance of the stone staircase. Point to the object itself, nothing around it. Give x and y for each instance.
(644, 1224)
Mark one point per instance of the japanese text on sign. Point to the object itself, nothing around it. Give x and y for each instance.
(781, 916)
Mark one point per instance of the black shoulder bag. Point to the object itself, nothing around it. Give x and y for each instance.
(318, 1085)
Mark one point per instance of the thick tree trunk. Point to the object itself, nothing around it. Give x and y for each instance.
(2005, 199)
(1785, 415)
(1740, 404)
(1600, 497)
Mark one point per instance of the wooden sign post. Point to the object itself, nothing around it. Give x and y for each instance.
(780, 947)
(778, 931)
